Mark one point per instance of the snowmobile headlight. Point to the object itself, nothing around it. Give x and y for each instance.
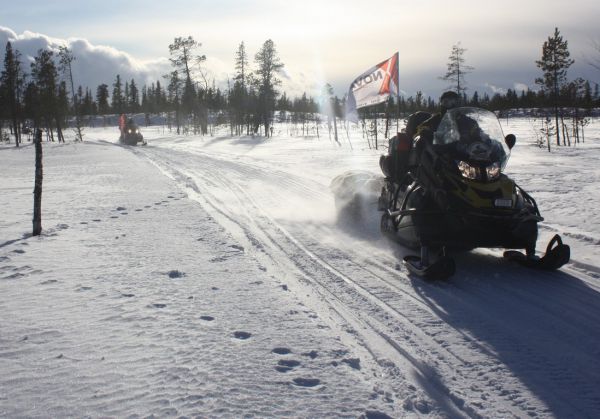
(467, 170)
(493, 171)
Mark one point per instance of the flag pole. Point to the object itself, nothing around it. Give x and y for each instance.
(398, 92)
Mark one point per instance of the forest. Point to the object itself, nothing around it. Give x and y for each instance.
(44, 96)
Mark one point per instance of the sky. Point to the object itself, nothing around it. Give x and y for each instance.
(318, 41)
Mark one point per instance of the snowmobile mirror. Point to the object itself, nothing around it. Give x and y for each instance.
(510, 141)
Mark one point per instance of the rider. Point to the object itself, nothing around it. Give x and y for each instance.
(448, 100)
(122, 124)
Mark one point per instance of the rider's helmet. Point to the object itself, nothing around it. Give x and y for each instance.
(449, 100)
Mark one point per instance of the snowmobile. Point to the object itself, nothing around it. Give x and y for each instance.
(131, 135)
(447, 191)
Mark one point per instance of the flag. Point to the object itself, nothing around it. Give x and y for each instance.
(372, 87)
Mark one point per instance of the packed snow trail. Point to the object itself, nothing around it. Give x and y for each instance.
(214, 277)
(496, 340)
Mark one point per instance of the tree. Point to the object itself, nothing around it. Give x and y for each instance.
(457, 69)
(45, 75)
(331, 104)
(182, 53)
(118, 100)
(554, 64)
(66, 57)
(174, 93)
(241, 65)
(238, 94)
(268, 64)
(11, 80)
(102, 99)
(134, 97)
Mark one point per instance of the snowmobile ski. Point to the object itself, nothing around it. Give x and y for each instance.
(442, 268)
(557, 254)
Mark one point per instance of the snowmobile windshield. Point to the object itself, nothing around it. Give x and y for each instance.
(472, 135)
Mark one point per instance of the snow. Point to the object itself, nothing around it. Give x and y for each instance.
(211, 276)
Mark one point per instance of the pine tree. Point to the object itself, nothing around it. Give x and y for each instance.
(134, 97)
(268, 64)
(118, 101)
(45, 75)
(102, 99)
(182, 53)
(457, 69)
(11, 80)
(241, 65)
(554, 63)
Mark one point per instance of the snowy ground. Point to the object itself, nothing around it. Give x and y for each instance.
(210, 276)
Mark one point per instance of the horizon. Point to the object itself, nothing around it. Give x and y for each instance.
(332, 46)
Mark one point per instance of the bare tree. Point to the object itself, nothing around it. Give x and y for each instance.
(66, 57)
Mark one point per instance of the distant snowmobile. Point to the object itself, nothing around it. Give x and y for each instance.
(131, 134)
(449, 192)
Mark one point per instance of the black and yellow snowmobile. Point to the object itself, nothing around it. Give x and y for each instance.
(447, 190)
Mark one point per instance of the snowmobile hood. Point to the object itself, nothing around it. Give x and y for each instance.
(472, 135)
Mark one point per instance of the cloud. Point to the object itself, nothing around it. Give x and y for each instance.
(97, 64)
(93, 65)
(521, 87)
(496, 89)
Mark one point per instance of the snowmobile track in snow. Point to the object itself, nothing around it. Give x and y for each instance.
(396, 318)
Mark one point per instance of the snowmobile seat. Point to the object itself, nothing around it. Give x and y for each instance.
(413, 122)
(394, 165)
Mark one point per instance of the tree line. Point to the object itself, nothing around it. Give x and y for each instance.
(44, 96)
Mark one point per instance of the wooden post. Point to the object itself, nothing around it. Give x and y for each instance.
(37, 189)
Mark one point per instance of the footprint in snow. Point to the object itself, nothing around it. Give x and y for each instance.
(49, 281)
(127, 295)
(175, 274)
(20, 251)
(114, 216)
(352, 362)
(138, 209)
(285, 365)
(311, 354)
(96, 220)
(242, 335)
(374, 414)
(281, 351)
(207, 318)
(121, 208)
(307, 382)
(159, 305)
